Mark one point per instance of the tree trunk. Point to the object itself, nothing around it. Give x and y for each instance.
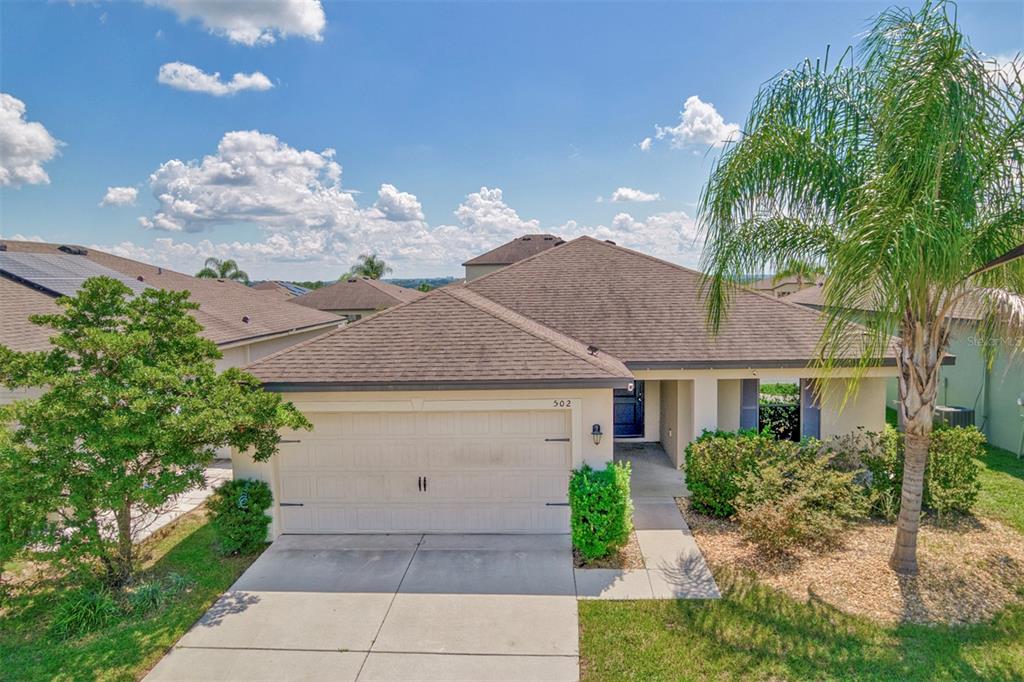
(915, 460)
(120, 571)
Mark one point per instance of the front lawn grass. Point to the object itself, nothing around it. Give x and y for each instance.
(757, 633)
(1002, 487)
(128, 648)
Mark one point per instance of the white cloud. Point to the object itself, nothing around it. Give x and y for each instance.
(193, 79)
(629, 194)
(24, 145)
(120, 196)
(396, 205)
(645, 144)
(253, 22)
(307, 225)
(699, 123)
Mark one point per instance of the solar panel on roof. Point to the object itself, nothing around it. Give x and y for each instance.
(58, 274)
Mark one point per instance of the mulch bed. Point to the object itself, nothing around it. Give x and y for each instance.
(969, 569)
(627, 557)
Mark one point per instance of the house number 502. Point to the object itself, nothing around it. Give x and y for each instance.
(561, 403)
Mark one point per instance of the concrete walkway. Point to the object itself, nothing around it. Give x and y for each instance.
(675, 567)
(216, 474)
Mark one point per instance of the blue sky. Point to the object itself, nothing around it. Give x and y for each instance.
(454, 125)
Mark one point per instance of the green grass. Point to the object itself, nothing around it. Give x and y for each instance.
(756, 633)
(1002, 487)
(128, 648)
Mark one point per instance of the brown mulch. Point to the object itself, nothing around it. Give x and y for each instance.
(627, 557)
(969, 569)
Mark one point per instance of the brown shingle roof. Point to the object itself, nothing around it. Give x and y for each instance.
(17, 302)
(814, 297)
(517, 249)
(222, 304)
(450, 337)
(357, 293)
(648, 312)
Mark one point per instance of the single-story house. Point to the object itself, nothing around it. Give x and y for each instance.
(282, 290)
(357, 297)
(992, 392)
(509, 253)
(466, 410)
(245, 324)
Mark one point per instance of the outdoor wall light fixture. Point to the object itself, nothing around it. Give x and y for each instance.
(596, 434)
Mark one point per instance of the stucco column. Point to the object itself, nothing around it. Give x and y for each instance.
(705, 404)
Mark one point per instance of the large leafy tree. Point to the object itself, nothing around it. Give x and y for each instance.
(215, 268)
(368, 265)
(131, 410)
(899, 169)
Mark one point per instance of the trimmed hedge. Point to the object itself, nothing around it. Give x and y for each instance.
(716, 462)
(238, 515)
(601, 510)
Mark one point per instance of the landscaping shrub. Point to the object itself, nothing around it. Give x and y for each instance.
(717, 460)
(238, 515)
(84, 610)
(601, 510)
(152, 595)
(781, 419)
(797, 500)
(951, 479)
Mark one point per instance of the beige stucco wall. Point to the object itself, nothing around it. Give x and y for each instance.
(587, 406)
(669, 417)
(863, 409)
(729, 404)
(474, 271)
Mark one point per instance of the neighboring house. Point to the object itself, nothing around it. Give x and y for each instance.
(508, 253)
(785, 285)
(282, 290)
(466, 410)
(992, 392)
(357, 297)
(245, 324)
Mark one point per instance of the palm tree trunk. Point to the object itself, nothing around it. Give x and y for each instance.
(915, 459)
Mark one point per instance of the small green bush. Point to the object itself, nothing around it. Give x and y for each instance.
(951, 479)
(797, 500)
(601, 510)
(238, 515)
(146, 597)
(716, 462)
(85, 610)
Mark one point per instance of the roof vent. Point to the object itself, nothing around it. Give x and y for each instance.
(245, 319)
(141, 278)
(547, 239)
(3, 247)
(609, 241)
(592, 349)
(526, 239)
(159, 271)
(72, 250)
(352, 280)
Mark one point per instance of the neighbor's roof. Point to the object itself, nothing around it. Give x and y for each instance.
(284, 290)
(224, 305)
(770, 284)
(449, 338)
(814, 297)
(17, 302)
(357, 293)
(517, 249)
(648, 312)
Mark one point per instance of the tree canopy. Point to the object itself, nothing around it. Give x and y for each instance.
(368, 265)
(131, 410)
(214, 268)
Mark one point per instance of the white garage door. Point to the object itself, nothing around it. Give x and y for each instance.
(497, 471)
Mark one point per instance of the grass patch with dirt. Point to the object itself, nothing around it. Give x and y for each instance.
(128, 647)
(1002, 487)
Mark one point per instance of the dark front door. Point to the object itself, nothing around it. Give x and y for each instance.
(629, 411)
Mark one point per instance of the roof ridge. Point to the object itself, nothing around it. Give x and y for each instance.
(558, 339)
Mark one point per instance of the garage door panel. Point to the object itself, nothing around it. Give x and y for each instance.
(487, 471)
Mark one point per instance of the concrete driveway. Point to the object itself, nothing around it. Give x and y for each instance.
(391, 607)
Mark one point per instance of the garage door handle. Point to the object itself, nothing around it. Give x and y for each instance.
(556, 504)
(424, 484)
(290, 504)
(556, 440)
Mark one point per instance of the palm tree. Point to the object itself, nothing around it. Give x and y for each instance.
(214, 268)
(802, 270)
(368, 265)
(424, 287)
(899, 169)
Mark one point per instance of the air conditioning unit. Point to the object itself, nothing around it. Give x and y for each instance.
(954, 416)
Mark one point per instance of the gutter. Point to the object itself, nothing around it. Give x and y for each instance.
(751, 364)
(273, 335)
(316, 386)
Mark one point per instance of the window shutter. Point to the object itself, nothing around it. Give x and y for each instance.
(750, 393)
(810, 410)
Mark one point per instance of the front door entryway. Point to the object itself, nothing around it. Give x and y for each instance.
(629, 411)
